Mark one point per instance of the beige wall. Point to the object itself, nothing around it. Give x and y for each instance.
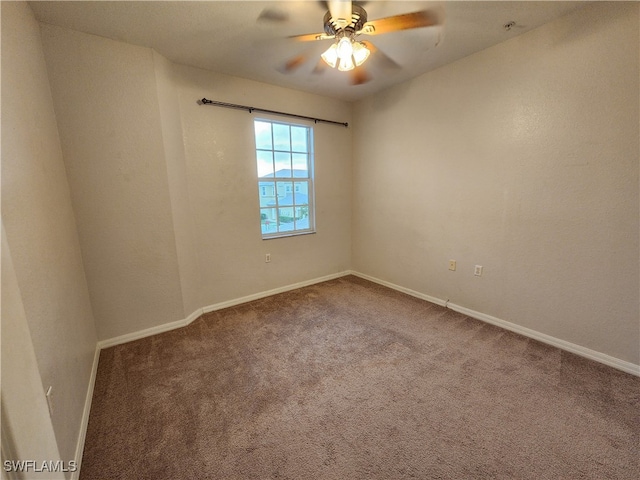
(27, 432)
(222, 183)
(522, 158)
(41, 233)
(107, 108)
(165, 189)
(172, 136)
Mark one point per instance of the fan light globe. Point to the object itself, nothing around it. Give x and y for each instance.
(331, 56)
(360, 53)
(346, 64)
(345, 48)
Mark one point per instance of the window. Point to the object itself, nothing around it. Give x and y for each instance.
(284, 155)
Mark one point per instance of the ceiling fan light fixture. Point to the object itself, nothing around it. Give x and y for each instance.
(346, 54)
(360, 53)
(346, 64)
(345, 48)
(330, 56)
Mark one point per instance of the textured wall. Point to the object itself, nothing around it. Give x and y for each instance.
(41, 231)
(222, 182)
(27, 431)
(107, 108)
(165, 190)
(172, 137)
(522, 158)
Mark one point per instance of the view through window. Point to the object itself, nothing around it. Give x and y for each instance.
(284, 154)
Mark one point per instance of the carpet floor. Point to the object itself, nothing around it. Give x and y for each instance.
(351, 380)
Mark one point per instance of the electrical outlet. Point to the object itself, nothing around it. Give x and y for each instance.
(267, 258)
(478, 271)
(452, 264)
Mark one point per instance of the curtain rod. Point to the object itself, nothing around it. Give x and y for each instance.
(273, 112)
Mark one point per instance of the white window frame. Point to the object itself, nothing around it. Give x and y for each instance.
(292, 180)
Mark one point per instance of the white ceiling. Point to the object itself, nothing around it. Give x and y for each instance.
(228, 37)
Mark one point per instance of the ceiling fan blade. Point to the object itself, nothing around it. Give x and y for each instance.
(359, 75)
(380, 58)
(340, 10)
(405, 21)
(294, 63)
(311, 37)
(275, 15)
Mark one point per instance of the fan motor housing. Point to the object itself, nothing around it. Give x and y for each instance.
(358, 19)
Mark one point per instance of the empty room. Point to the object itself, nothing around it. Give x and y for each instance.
(320, 240)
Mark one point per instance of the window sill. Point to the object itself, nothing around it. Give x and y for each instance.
(288, 234)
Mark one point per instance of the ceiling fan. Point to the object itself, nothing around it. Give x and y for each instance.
(345, 22)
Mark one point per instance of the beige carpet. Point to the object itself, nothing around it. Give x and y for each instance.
(350, 380)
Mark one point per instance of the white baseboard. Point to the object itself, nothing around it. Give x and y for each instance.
(614, 362)
(275, 291)
(165, 327)
(84, 423)
(603, 358)
(147, 332)
(408, 291)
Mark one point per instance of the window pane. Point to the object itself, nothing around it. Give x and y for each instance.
(266, 191)
(302, 218)
(283, 164)
(301, 193)
(268, 220)
(302, 212)
(299, 139)
(300, 165)
(285, 193)
(285, 219)
(265, 163)
(281, 137)
(263, 135)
